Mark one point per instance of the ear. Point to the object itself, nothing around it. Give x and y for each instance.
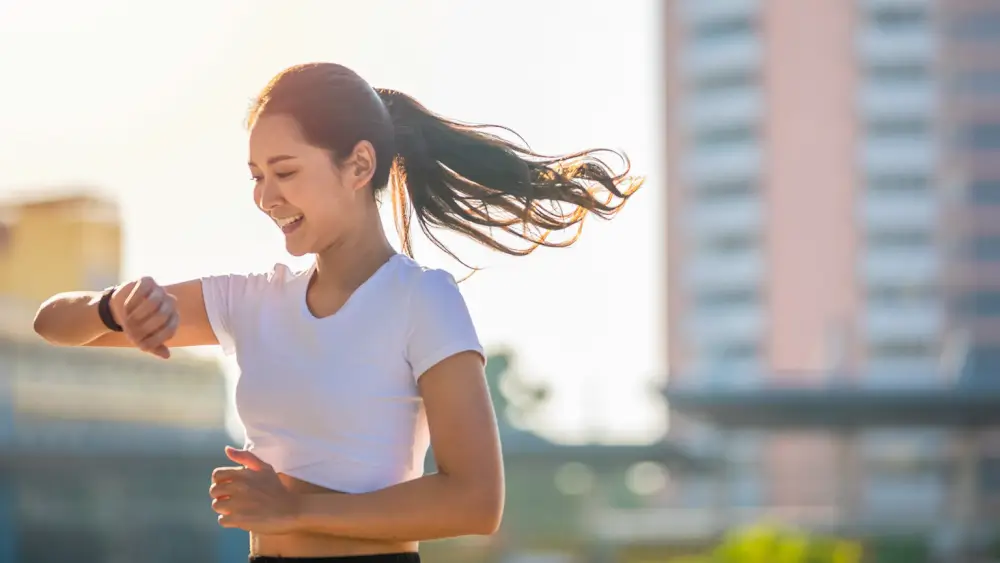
(359, 167)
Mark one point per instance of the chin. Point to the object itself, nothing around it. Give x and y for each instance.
(297, 250)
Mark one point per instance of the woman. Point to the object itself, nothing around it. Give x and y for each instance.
(351, 368)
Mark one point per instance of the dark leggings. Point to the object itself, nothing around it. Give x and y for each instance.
(408, 557)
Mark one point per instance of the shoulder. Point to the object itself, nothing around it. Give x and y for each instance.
(422, 283)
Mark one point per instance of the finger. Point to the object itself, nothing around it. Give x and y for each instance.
(146, 306)
(159, 335)
(246, 459)
(226, 489)
(223, 474)
(161, 352)
(139, 292)
(228, 521)
(222, 506)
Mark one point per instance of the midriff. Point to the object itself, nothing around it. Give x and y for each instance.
(318, 545)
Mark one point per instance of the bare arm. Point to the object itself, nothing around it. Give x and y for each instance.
(465, 496)
(71, 319)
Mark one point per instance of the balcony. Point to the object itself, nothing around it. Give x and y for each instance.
(870, 5)
(902, 373)
(922, 322)
(879, 47)
(724, 164)
(731, 324)
(883, 101)
(726, 108)
(741, 214)
(699, 12)
(896, 212)
(736, 54)
(900, 267)
(718, 271)
(899, 156)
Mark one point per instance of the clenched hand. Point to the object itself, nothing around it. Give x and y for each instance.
(148, 315)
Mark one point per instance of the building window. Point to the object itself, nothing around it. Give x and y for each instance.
(730, 244)
(890, 20)
(902, 350)
(978, 82)
(980, 303)
(726, 298)
(989, 475)
(899, 295)
(985, 248)
(709, 84)
(985, 191)
(912, 239)
(981, 26)
(983, 135)
(732, 136)
(900, 127)
(723, 29)
(899, 74)
(983, 363)
(723, 192)
(735, 351)
(899, 184)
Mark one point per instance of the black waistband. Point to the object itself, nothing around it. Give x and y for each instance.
(407, 557)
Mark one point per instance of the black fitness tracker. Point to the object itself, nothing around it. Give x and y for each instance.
(104, 310)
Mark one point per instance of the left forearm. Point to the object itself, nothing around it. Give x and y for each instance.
(431, 507)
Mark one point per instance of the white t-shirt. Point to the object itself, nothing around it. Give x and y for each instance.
(334, 401)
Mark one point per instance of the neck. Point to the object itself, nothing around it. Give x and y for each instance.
(352, 260)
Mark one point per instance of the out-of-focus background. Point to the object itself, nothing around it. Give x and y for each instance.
(786, 348)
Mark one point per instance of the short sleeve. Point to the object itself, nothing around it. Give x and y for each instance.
(440, 324)
(225, 297)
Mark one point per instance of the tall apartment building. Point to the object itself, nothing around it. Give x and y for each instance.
(834, 195)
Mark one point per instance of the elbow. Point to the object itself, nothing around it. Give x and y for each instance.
(48, 324)
(485, 513)
(41, 324)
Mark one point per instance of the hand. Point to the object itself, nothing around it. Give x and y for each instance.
(148, 315)
(252, 497)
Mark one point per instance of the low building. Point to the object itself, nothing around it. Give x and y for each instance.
(106, 454)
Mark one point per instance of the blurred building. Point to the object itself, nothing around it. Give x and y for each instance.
(835, 186)
(834, 218)
(105, 455)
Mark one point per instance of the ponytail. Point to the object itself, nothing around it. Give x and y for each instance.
(464, 179)
(448, 174)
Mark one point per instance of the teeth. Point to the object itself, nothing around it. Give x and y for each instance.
(287, 220)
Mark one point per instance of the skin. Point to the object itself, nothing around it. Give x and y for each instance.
(342, 228)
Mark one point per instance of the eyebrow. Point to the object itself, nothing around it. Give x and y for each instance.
(274, 159)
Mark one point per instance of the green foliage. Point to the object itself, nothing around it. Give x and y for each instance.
(767, 544)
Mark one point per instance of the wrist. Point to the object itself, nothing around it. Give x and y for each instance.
(311, 511)
(118, 296)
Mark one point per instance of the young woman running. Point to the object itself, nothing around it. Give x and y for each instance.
(353, 367)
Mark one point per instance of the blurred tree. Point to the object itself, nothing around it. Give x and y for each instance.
(515, 399)
(767, 544)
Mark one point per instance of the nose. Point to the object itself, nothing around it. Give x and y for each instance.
(268, 195)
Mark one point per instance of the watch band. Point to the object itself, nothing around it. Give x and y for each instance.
(104, 310)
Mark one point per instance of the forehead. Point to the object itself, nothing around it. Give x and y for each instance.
(274, 134)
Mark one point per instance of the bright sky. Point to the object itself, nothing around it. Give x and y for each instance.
(145, 102)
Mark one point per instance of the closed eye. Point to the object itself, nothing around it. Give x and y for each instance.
(280, 175)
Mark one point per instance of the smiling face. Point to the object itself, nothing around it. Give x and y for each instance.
(314, 198)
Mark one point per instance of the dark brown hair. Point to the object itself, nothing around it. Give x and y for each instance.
(449, 174)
